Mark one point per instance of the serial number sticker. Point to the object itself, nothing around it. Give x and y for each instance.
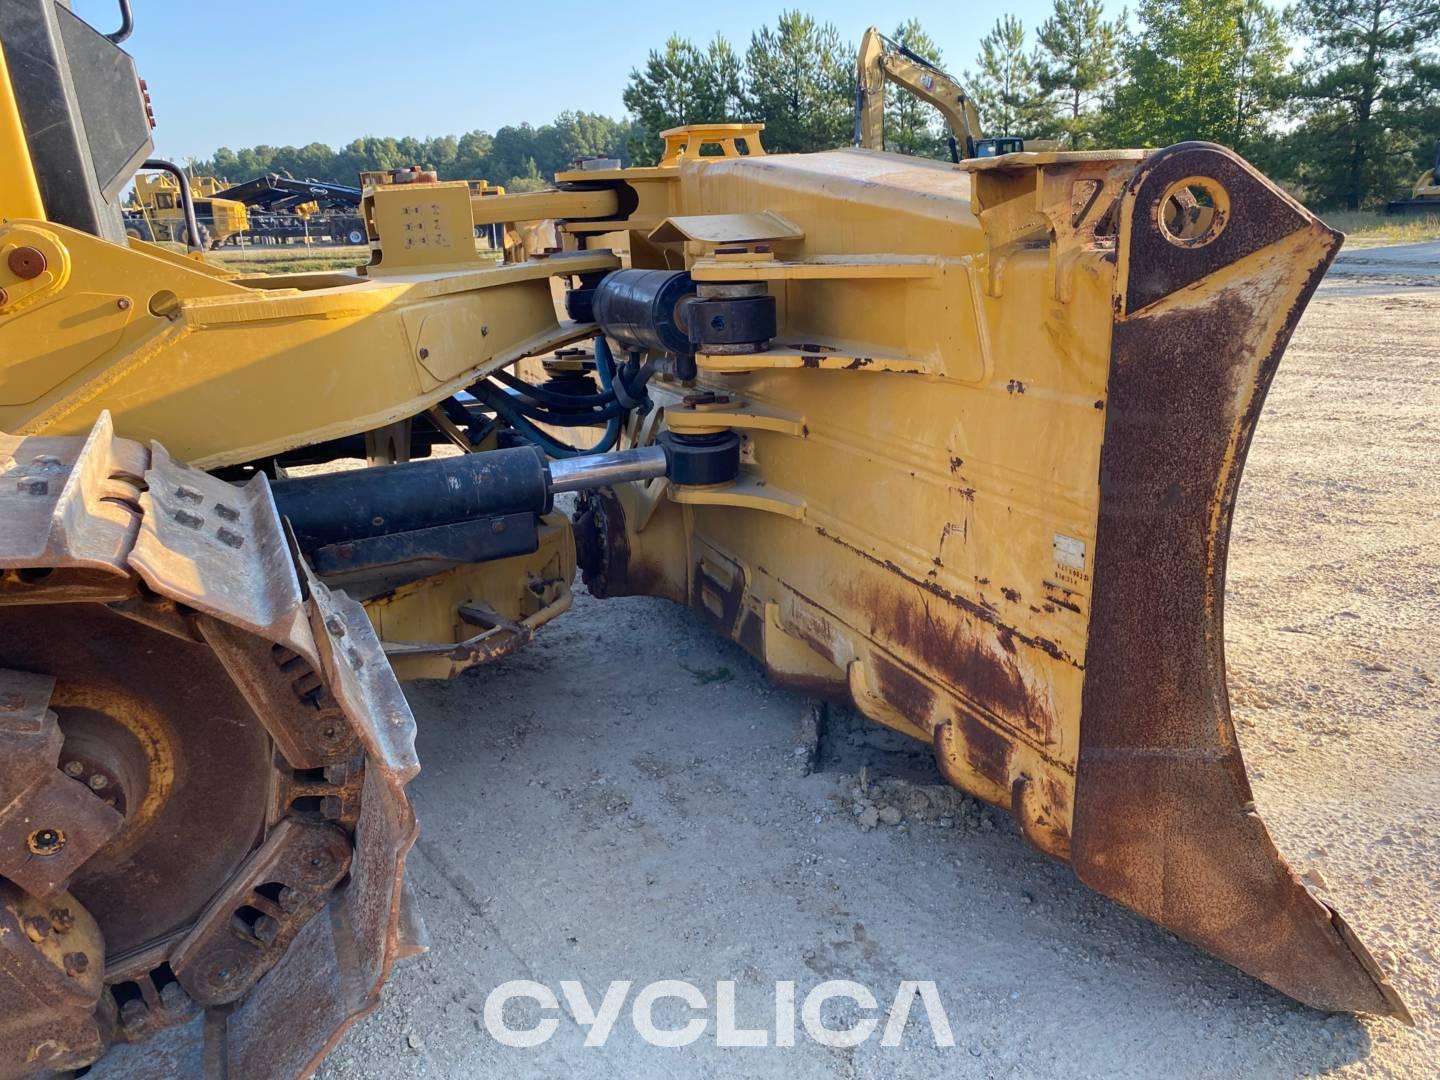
(1069, 551)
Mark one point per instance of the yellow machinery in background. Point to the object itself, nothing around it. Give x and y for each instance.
(1425, 198)
(157, 210)
(956, 444)
(880, 60)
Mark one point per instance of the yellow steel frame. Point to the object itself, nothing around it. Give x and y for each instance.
(881, 423)
(228, 369)
(19, 193)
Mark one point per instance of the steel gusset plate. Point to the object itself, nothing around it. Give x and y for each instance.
(1165, 820)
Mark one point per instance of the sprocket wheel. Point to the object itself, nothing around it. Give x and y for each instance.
(203, 821)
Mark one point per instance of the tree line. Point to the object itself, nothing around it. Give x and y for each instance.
(1337, 99)
(521, 156)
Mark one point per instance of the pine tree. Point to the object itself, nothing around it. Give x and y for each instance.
(1081, 57)
(800, 80)
(682, 85)
(1007, 86)
(1199, 69)
(1366, 87)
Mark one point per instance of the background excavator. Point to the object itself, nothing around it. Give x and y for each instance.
(881, 59)
(956, 444)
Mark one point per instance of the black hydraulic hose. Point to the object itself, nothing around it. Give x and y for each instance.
(627, 391)
(187, 201)
(550, 398)
(127, 24)
(630, 380)
(913, 55)
(523, 416)
(462, 418)
(575, 418)
(585, 418)
(549, 444)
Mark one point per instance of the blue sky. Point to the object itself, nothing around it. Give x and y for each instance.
(269, 71)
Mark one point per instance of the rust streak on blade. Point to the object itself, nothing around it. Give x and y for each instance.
(960, 651)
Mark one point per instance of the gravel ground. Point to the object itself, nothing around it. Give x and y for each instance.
(626, 800)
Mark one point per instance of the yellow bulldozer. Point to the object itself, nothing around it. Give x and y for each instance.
(956, 444)
(156, 210)
(1424, 198)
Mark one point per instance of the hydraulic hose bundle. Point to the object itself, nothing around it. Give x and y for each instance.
(647, 312)
(526, 406)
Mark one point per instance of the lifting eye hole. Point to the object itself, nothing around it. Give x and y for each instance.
(1193, 212)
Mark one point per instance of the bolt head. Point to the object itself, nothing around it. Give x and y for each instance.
(45, 842)
(37, 928)
(27, 262)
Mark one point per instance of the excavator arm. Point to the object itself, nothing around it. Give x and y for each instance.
(880, 59)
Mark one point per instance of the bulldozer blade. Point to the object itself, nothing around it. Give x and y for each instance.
(1428, 207)
(1165, 821)
(1008, 538)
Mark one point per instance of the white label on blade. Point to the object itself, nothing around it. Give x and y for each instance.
(1069, 552)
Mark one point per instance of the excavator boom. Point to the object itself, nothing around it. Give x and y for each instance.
(879, 60)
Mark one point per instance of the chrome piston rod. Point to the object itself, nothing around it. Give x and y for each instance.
(603, 470)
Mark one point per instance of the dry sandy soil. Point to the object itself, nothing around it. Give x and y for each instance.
(624, 801)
